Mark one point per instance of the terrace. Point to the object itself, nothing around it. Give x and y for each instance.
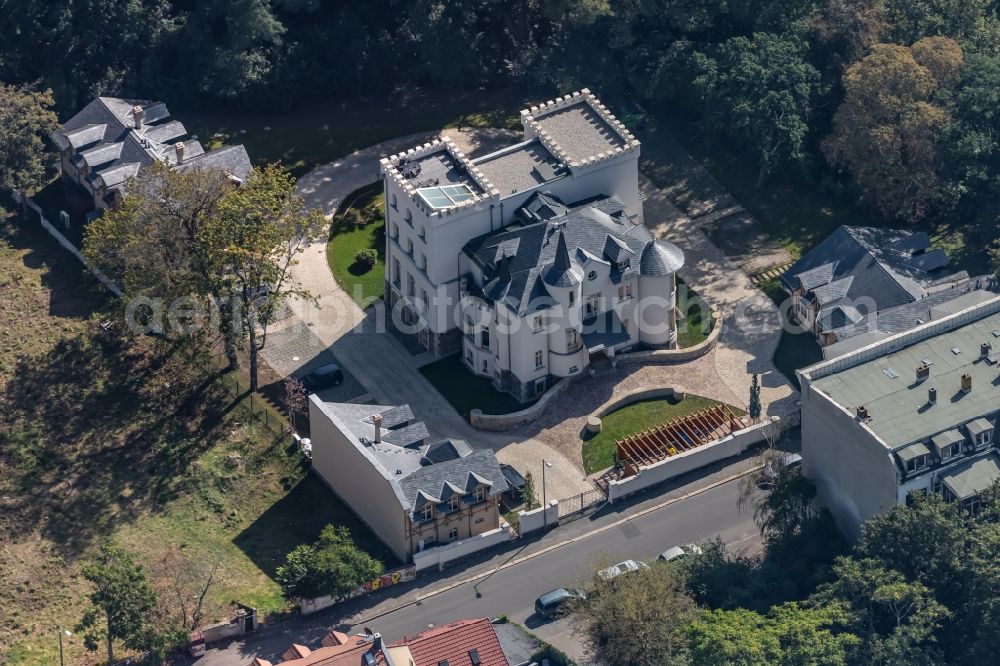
(675, 437)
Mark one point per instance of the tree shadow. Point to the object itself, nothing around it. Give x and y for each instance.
(298, 518)
(100, 430)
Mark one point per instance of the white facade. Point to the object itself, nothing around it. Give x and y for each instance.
(438, 201)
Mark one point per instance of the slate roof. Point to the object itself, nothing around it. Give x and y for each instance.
(892, 267)
(103, 136)
(419, 472)
(934, 306)
(452, 644)
(558, 239)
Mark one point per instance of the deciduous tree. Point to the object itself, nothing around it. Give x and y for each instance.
(332, 566)
(26, 118)
(120, 604)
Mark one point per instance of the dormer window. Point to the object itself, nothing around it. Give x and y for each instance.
(950, 451)
(452, 505)
(479, 495)
(428, 512)
(917, 463)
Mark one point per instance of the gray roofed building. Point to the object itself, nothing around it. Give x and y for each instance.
(904, 415)
(542, 252)
(843, 286)
(110, 140)
(408, 490)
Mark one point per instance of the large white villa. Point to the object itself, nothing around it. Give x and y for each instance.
(533, 260)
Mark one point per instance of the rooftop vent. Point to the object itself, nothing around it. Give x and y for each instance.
(923, 372)
(932, 396)
(956, 351)
(890, 373)
(985, 349)
(966, 383)
(863, 413)
(474, 657)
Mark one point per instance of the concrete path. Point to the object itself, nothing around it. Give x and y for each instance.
(359, 339)
(751, 323)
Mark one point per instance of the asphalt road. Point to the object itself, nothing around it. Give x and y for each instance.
(513, 591)
(693, 509)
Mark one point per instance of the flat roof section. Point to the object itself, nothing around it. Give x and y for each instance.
(899, 409)
(437, 169)
(522, 167)
(580, 131)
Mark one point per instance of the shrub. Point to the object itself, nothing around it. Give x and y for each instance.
(366, 257)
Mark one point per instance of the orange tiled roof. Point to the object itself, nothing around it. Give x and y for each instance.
(454, 642)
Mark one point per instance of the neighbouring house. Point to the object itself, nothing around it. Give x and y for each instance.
(413, 493)
(110, 140)
(863, 284)
(914, 413)
(472, 642)
(532, 261)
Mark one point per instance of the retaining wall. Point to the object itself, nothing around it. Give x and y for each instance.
(672, 467)
(677, 355)
(638, 395)
(534, 520)
(439, 556)
(62, 240)
(496, 422)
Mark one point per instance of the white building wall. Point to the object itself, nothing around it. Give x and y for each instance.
(355, 480)
(855, 475)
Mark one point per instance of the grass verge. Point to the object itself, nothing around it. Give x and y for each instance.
(466, 391)
(698, 320)
(599, 450)
(359, 224)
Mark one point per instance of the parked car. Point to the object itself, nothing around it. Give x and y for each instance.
(677, 552)
(784, 461)
(555, 603)
(628, 566)
(323, 377)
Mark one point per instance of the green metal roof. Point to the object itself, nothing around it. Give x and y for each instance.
(899, 407)
(947, 438)
(912, 451)
(978, 427)
(972, 476)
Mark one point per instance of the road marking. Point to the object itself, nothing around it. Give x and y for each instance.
(548, 549)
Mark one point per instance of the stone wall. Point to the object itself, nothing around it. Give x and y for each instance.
(672, 467)
(497, 422)
(439, 556)
(534, 520)
(676, 355)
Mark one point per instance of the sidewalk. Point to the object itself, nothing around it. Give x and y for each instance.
(310, 630)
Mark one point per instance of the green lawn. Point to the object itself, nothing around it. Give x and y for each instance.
(128, 440)
(466, 391)
(321, 131)
(359, 224)
(599, 450)
(697, 323)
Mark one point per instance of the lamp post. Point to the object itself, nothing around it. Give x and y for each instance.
(545, 503)
(61, 633)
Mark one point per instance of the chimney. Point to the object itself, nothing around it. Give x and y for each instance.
(932, 396)
(985, 349)
(377, 420)
(923, 372)
(863, 412)
(966, 383)
(179, 149)
(137, 114)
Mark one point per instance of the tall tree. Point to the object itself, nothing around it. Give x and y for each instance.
(759, 91)
(754, 408)
(885, 132)
(251, 246)
(637, 619)
(121, 603)
(26, 118)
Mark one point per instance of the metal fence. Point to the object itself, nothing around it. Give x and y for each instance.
(579, 505)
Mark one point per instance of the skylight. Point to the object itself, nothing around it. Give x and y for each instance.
(446, 196)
